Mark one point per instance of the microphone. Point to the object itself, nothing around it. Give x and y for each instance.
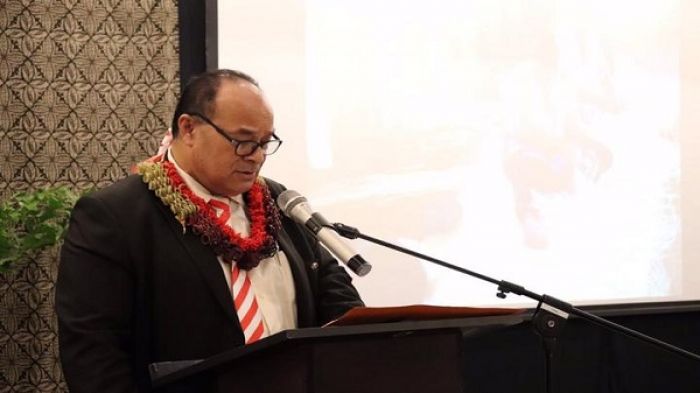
(296, 207)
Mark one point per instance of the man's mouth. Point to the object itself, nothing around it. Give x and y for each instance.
(247, 172)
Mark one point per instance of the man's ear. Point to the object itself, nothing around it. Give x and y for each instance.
(185, 128)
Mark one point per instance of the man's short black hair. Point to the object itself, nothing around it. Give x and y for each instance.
(200, 92)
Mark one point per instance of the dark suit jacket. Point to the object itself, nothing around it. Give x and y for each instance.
(134, 289)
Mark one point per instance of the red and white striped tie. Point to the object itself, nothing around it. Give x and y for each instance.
(249, 314)
(246, 305)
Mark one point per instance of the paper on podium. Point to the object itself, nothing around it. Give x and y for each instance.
(418, 312)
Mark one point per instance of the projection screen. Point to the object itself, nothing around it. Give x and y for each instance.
(549, 143)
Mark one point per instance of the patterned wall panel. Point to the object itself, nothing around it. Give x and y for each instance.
(87, 88)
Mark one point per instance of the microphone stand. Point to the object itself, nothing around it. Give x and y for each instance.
(550, 315)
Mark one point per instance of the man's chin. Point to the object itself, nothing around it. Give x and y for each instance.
(241, 187)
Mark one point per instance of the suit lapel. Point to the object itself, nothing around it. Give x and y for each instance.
(206, 262)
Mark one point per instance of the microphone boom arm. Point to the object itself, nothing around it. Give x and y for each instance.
(546, 305)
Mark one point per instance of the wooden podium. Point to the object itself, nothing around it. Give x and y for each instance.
(413, 356)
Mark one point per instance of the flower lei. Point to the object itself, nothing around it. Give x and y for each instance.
(191, 210)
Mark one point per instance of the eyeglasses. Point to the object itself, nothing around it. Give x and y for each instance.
(245, 148)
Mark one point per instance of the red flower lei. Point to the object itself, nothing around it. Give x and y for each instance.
(260, 209)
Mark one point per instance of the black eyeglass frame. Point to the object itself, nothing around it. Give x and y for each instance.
(272, 143)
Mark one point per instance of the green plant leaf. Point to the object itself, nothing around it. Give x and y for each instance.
(31, 221)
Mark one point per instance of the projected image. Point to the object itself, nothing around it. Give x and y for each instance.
(551, 94)
(547, 166)
(532, 141)
(515, 140)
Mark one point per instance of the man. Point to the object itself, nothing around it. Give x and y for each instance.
(190, 257)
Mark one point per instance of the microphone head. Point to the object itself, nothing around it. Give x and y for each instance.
(287, 200)
(358, 265)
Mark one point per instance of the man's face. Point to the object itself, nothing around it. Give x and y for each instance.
(242, 112)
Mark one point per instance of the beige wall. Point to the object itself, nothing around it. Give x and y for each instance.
(87, 88)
